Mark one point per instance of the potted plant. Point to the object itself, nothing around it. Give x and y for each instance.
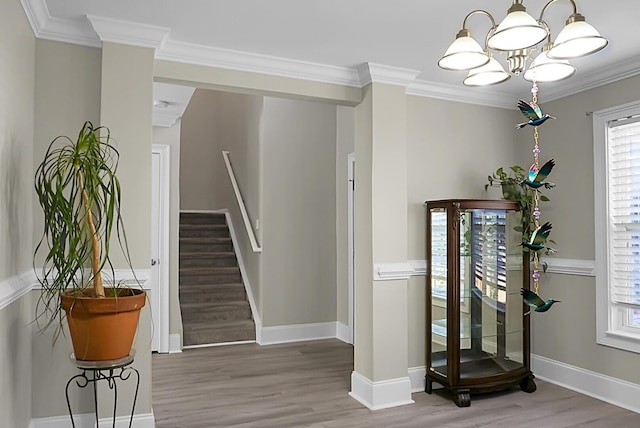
(79, 194)
(512, 182)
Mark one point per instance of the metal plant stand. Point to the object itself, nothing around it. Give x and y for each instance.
(110, 371)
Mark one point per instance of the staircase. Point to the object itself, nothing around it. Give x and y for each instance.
(213, 301)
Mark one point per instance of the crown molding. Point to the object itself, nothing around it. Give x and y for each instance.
(594, 79)
(257, 63)
(44, 26)
(83, 31)
(379, 73)
(130, 33)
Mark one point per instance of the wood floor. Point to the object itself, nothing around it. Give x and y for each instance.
(306, 385)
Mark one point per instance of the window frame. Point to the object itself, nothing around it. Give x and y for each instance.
(610, 331)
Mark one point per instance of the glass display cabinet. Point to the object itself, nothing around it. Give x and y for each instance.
(477, 335)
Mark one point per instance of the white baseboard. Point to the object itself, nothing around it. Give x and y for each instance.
(87, 420)
(343, 332)
(416, 375)
(615, 391)
(174, 343)
(382, 394)
(296, 333)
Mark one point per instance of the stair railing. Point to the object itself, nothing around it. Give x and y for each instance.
(243, 210)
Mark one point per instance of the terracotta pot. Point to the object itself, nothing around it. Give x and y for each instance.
(103, 328)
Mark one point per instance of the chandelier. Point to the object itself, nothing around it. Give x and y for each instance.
(519, 36)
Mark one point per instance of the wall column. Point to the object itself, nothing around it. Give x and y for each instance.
(126, 109)
(380, 378)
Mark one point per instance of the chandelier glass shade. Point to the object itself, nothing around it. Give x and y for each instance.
(519, 36)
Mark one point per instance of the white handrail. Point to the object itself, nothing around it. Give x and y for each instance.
(243, 210)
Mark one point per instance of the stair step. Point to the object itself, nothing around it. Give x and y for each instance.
(208, 259)
(233, 310)
(200, 333)
(204, 231)
(192, 245)
(209, 275)
(211, 293)
(200, 218)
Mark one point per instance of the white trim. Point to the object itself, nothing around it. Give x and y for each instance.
(571, 266)
(13, 288)
(124, 276)
(243, 210)
(343, 332)
(382, 394)
(257, 63)
(215, 345)
(163, 150)
(602, 387)
(417, 376)
(130, 33)
(402, 270)
(243, 273)
(608, 329)
(297, 333)
(80, 31)
(87, 420)
(174, 343)
(405, 270)
(370, 72)
(351, 249)
(44, 26)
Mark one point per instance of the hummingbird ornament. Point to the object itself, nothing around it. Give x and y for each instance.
(537, 176)
(535, 301)
(532, 112)
(539, 238)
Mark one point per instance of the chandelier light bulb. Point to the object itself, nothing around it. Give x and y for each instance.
(545, 69)
(577, 39)
(489, 74)
(463, 54)
(518, 30)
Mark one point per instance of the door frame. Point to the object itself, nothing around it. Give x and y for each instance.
(161, 327)
(351, 272)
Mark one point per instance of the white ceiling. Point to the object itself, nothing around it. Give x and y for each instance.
(329, 39)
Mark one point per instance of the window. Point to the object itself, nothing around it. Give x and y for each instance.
(616, 134)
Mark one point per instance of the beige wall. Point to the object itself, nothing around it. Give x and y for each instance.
(171, 137)
(345, 133)
(126, 103)
(299, 221)
(17, 53)
(199, 154)
(567, 333)
(451, 148)
(70, 75)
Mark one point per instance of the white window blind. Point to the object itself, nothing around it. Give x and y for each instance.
(624, 210)
(616, 139)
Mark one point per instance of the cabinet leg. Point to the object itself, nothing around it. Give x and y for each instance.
(528, 385)
(428, 386)
(462, 398)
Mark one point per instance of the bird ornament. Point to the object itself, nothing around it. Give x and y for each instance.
(539, 238)
(535, 301)
(537, 176)
(532, 112)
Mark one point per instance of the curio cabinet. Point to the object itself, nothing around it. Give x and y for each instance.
(477, 335)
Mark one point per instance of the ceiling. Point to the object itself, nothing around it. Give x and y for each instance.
(328, 40)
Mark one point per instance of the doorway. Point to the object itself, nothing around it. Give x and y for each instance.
(159, 277)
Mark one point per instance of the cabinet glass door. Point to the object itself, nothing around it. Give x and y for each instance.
(438, 265)
(491, 306)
